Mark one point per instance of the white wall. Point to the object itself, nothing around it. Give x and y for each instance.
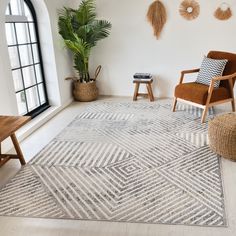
(130, 48)
(57, 61)
(133, 48)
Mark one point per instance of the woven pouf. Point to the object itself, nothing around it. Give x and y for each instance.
(222, 135)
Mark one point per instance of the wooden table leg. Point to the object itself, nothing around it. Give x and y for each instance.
(3, 158)
(150, 93)
(18, 150)
(136, 91)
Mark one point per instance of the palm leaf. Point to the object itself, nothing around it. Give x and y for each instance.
(78, 46)
(86, 12)
(64, 23)
(100, 29)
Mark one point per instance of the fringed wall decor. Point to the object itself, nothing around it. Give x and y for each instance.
(157, 17)
(189, 9)
(223, 12)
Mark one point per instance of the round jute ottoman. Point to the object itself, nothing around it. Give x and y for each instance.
(222, 135)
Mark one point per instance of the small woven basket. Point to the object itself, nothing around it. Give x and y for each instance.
(222, 135)
(85, 92)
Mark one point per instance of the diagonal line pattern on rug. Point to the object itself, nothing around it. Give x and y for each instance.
(128, 162)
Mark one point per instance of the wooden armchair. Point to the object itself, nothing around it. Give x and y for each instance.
(204, 96)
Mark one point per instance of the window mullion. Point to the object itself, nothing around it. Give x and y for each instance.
(34, 63)
(22, 76)
(9, 5)
(28, 87)
(26, 66)
(21, 44)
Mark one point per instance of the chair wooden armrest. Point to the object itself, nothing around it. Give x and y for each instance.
(184, 72)
(226, 77)
(190, 71)
(221, 78)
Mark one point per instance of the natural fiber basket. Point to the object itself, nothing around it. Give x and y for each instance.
(85, 92)
(222, 135)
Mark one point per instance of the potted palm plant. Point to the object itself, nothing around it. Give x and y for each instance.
(81, 30)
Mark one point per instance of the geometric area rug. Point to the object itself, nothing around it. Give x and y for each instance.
(125, 162)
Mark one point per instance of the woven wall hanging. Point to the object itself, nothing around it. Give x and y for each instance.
(189, 9)
(157, 17)
(223, 12)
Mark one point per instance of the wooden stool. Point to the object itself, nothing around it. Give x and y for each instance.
(149, 89)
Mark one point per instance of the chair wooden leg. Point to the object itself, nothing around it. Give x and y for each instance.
(204, 114)
(232, 94)
(174, 105)
(210, 91)
(233, 106)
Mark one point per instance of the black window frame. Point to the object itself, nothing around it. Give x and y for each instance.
(43, 106)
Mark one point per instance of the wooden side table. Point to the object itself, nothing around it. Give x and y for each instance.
(8, 126)
(149, 89)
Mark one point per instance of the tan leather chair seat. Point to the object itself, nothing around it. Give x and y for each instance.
(198, 93)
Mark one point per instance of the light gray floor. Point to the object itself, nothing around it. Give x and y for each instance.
(43, 227)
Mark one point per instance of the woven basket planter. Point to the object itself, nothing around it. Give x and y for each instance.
(85, 92)
(222, 135)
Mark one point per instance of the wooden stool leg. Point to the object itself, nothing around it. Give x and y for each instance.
(18, 150)
(150, 93)
(136, 91)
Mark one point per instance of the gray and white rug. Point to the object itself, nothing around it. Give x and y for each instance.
(127, 162)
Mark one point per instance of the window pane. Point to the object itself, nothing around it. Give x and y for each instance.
(26, 55)
(42, 94)
(22, 33)
(14, 57)
(38, 73)
(10, 33)
(28, 13)
(21, 103)
(32, 33)
(35, 53)
(16, 7)
(32, 98)
(29, 76)
(8, 10)
(17, 80)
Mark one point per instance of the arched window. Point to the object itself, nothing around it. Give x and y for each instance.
(25, 57)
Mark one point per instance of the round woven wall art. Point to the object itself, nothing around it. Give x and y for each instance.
(189, 9)
(157, 17)
(223, 12)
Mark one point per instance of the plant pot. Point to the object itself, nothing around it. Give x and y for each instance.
(85, 92)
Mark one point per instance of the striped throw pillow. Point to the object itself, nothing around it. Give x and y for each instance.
(211, 68)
